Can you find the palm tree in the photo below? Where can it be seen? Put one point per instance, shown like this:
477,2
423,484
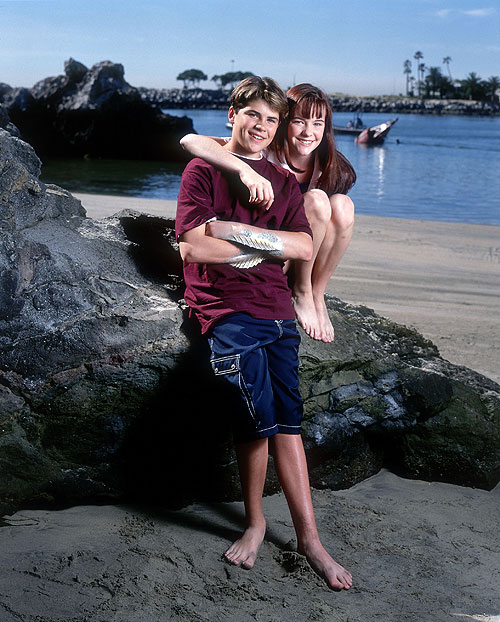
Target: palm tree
473,86
447,61
433,81
492,85
418,56
422,69
412,85
407,71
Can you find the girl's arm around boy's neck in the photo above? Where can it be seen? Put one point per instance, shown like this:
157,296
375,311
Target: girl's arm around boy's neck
211,150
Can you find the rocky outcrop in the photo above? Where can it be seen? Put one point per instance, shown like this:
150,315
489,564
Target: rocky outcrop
383,395
95,113
6,124
105,387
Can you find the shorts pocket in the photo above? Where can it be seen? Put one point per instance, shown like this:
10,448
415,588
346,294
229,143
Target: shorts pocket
230,366
226,365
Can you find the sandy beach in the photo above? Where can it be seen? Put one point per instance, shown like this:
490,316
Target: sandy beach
418,551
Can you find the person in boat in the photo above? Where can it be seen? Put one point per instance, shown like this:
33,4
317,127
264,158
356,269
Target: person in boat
359,123
304,145
233,253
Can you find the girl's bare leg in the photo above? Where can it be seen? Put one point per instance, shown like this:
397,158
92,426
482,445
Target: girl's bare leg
252,464
332,222
318,212
291,466
335,242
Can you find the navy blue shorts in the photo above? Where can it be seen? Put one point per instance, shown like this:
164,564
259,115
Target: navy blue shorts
261,359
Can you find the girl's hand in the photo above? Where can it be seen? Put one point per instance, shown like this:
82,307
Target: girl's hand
260,189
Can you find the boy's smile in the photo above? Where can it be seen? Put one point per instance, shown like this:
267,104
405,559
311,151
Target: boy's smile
254,128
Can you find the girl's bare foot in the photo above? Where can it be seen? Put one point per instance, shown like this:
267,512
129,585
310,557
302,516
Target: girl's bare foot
307,317
244,551
334,575
326,330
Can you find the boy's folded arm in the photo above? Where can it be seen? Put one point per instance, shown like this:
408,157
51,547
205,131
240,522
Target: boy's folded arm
210,149
281,244
196,246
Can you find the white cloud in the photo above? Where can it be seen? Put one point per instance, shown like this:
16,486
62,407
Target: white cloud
479,12
443,13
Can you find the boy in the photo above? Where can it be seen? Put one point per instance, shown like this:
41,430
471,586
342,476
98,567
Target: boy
233,254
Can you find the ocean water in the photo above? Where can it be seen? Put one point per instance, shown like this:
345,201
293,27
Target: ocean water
444,168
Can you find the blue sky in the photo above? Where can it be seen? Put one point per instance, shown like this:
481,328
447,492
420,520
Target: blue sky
349,46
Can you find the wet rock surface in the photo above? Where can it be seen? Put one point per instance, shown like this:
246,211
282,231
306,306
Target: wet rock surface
106,391
93,113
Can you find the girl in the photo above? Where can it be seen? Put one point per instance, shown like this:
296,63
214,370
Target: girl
305,145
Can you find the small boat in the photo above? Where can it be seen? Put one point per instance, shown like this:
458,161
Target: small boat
354,131
354,127
375,135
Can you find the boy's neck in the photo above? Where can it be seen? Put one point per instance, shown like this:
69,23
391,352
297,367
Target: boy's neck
236,149
239,155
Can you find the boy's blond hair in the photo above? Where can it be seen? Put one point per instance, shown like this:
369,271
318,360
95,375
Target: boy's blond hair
256,87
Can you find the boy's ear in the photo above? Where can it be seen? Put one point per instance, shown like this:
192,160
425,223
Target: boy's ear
231,113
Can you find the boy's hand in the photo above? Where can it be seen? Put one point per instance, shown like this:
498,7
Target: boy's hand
260,189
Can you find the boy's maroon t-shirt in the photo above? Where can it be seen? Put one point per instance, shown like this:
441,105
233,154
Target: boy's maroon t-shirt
216,290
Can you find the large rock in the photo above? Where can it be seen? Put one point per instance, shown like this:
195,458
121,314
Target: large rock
95,113
105,387
383,396
5,123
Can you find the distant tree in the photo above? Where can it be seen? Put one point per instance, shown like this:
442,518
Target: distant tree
407,72
492,84
421,72
412,86
192,76
437,85
231,78
217,79
472,87
447,61
418,56
446,88
433,81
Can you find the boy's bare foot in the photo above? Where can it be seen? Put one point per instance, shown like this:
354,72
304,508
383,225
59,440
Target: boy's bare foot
307,317
325,325
334,575
244,551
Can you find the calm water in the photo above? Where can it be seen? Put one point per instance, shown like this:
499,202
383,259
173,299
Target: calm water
430,167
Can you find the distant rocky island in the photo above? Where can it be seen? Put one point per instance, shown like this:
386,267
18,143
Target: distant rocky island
197,98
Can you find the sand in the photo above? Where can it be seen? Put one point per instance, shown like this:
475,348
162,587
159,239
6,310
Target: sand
418,551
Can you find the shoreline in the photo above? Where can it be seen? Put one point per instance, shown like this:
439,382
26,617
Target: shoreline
438,277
